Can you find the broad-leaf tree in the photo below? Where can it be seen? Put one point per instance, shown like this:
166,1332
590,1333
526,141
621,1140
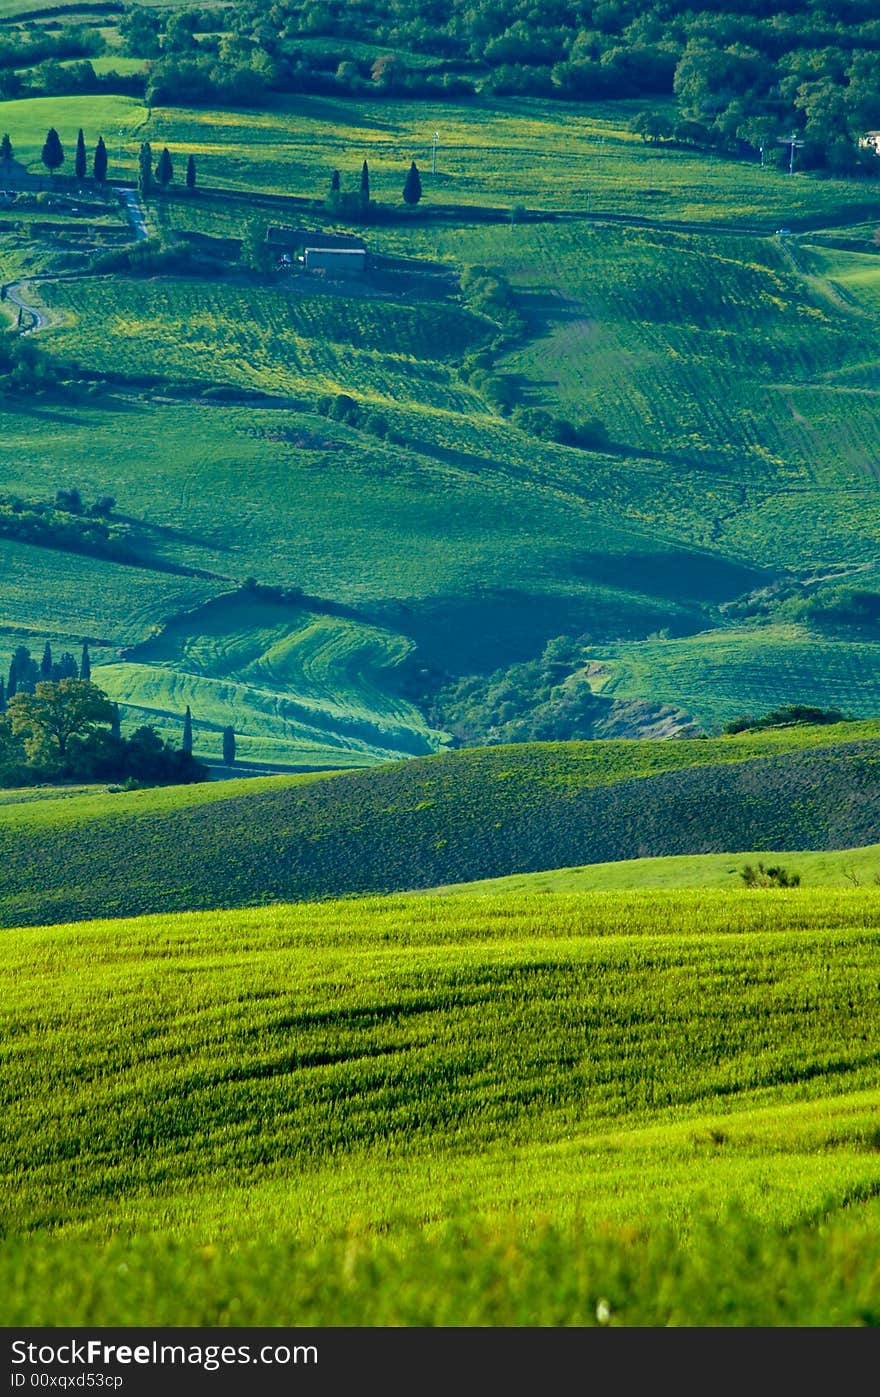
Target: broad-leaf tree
48,718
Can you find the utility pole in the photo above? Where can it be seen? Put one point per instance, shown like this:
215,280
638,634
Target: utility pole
434,153
121,134
794,144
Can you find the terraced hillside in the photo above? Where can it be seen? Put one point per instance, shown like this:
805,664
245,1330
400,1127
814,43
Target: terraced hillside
554,1110
437,820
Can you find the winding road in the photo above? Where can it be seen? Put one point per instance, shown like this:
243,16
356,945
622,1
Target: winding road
37,316
13,292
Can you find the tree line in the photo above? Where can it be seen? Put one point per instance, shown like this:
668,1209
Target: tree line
53,156
56,724
743,77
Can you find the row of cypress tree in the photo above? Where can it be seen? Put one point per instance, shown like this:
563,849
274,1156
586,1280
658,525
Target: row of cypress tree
412,188
228,739
25,673
53,158
163,172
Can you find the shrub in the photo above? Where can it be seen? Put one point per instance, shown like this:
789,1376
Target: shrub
772,877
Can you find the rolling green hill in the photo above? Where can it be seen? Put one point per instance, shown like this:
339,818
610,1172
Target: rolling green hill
734,371
437,820
838,868
456,1111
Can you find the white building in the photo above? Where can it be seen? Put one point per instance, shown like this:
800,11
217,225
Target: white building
335,261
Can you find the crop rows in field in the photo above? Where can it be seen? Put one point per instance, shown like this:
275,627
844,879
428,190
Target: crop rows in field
470,552
691,347
719,675
454,818
295,499
47,592
295,686
287,344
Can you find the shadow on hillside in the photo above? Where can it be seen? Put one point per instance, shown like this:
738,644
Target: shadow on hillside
166,531
679,575
480,631
542,310
326,110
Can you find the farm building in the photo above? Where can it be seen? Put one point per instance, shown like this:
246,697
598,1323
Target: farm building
870,141
336,261
294,240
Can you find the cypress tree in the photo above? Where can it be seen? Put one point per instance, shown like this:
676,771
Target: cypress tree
53,151
99,167
46,663
365,184
23,673
85,664
334,182
2,697
191,173
187,744
79,162
412,189
228,746
164,169
145,168
6,151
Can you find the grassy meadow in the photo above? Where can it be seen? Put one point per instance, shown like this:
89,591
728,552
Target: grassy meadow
835,868
500,152
430,821
753,670
733,369
428,1037
446,1111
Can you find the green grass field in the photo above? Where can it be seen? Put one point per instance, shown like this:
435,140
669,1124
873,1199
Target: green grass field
67,598
299,686
500,152
28,119
720,674
353,1113
735,373
838,868
547,1061
432,821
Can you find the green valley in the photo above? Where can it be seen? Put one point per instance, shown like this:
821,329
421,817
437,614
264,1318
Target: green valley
439,665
